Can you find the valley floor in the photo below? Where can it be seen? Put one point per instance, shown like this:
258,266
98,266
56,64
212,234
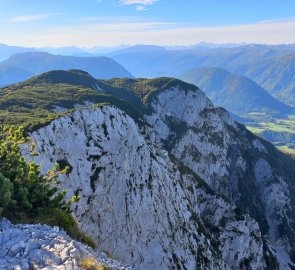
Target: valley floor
279,131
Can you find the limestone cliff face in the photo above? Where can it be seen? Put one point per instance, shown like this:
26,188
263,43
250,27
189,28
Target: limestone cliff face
164,194
147,210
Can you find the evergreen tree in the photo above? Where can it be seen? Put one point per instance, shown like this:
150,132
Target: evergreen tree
22,187
6,189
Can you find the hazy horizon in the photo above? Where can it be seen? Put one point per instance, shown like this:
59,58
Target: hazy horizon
203,44
108,23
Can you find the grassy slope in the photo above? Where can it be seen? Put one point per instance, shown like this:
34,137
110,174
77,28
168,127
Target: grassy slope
32,103
142,87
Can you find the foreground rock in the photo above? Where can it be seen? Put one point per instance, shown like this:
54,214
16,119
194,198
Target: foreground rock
24,247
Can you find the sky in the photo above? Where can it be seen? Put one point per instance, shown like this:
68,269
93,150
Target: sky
90,23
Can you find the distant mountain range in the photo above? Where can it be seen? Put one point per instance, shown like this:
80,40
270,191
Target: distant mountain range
25,65
11,74
6,51
67,51
271,67
236,93
153,61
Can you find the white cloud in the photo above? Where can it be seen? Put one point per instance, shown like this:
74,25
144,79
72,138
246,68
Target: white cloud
139,2
141,8
31,18
112,19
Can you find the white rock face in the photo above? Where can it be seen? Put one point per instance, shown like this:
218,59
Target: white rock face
25,247
137,204
231,160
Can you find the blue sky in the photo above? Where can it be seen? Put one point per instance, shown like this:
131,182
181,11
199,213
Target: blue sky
89,23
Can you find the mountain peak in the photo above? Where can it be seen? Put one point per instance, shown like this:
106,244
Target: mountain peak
72,76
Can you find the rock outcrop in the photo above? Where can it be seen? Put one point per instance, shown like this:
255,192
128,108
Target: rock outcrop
26,247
